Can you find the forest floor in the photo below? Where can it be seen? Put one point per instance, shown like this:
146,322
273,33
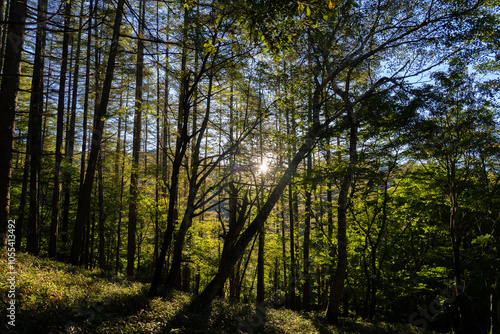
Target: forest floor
52,297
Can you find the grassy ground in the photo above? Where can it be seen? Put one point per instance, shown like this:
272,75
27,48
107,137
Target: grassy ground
51,297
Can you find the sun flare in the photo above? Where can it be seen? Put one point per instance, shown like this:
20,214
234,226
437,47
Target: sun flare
263,168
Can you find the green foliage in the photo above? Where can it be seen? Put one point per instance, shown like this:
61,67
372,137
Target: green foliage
61,298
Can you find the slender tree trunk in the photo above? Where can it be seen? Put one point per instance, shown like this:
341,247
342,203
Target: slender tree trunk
495,309
70,142
194,186
283,250
9,92
86,97
136,146
22,202
100,181
260,267
158,152
122,182
331,246
337,287
86,191
165,125
306,288
180,150
290,126
459,322
3,30
34,147
56,192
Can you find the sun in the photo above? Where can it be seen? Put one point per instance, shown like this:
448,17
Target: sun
263,168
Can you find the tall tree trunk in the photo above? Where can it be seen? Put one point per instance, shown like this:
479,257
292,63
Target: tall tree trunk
86,97
3,30
100,181
136,147
337,287
260,266
331,246
262,233
122,182
459,322
283,250
56,192
194,185
9,92
495,309
22,201
180,150
306,288
165,125
158,152
70,142
290,126
86,191
34,147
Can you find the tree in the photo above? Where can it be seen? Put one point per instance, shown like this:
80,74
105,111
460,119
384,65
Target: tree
9,92
56,194
457,138
34,148
134,178
347,43
86,190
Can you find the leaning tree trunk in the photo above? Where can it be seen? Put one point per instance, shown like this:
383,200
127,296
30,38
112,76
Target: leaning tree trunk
225,267
9,92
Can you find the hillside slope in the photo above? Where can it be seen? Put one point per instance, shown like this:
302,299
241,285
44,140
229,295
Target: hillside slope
52,297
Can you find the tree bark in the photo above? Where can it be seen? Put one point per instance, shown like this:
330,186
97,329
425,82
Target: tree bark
70,143
100,181
122,183
180,151
3,30
136,146
56,192
336,289
34,148
9,92
86,191
306,288
194,186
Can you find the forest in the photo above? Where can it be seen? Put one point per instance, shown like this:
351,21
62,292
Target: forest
329,157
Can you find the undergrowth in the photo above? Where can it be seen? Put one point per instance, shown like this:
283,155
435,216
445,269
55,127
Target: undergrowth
52,297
